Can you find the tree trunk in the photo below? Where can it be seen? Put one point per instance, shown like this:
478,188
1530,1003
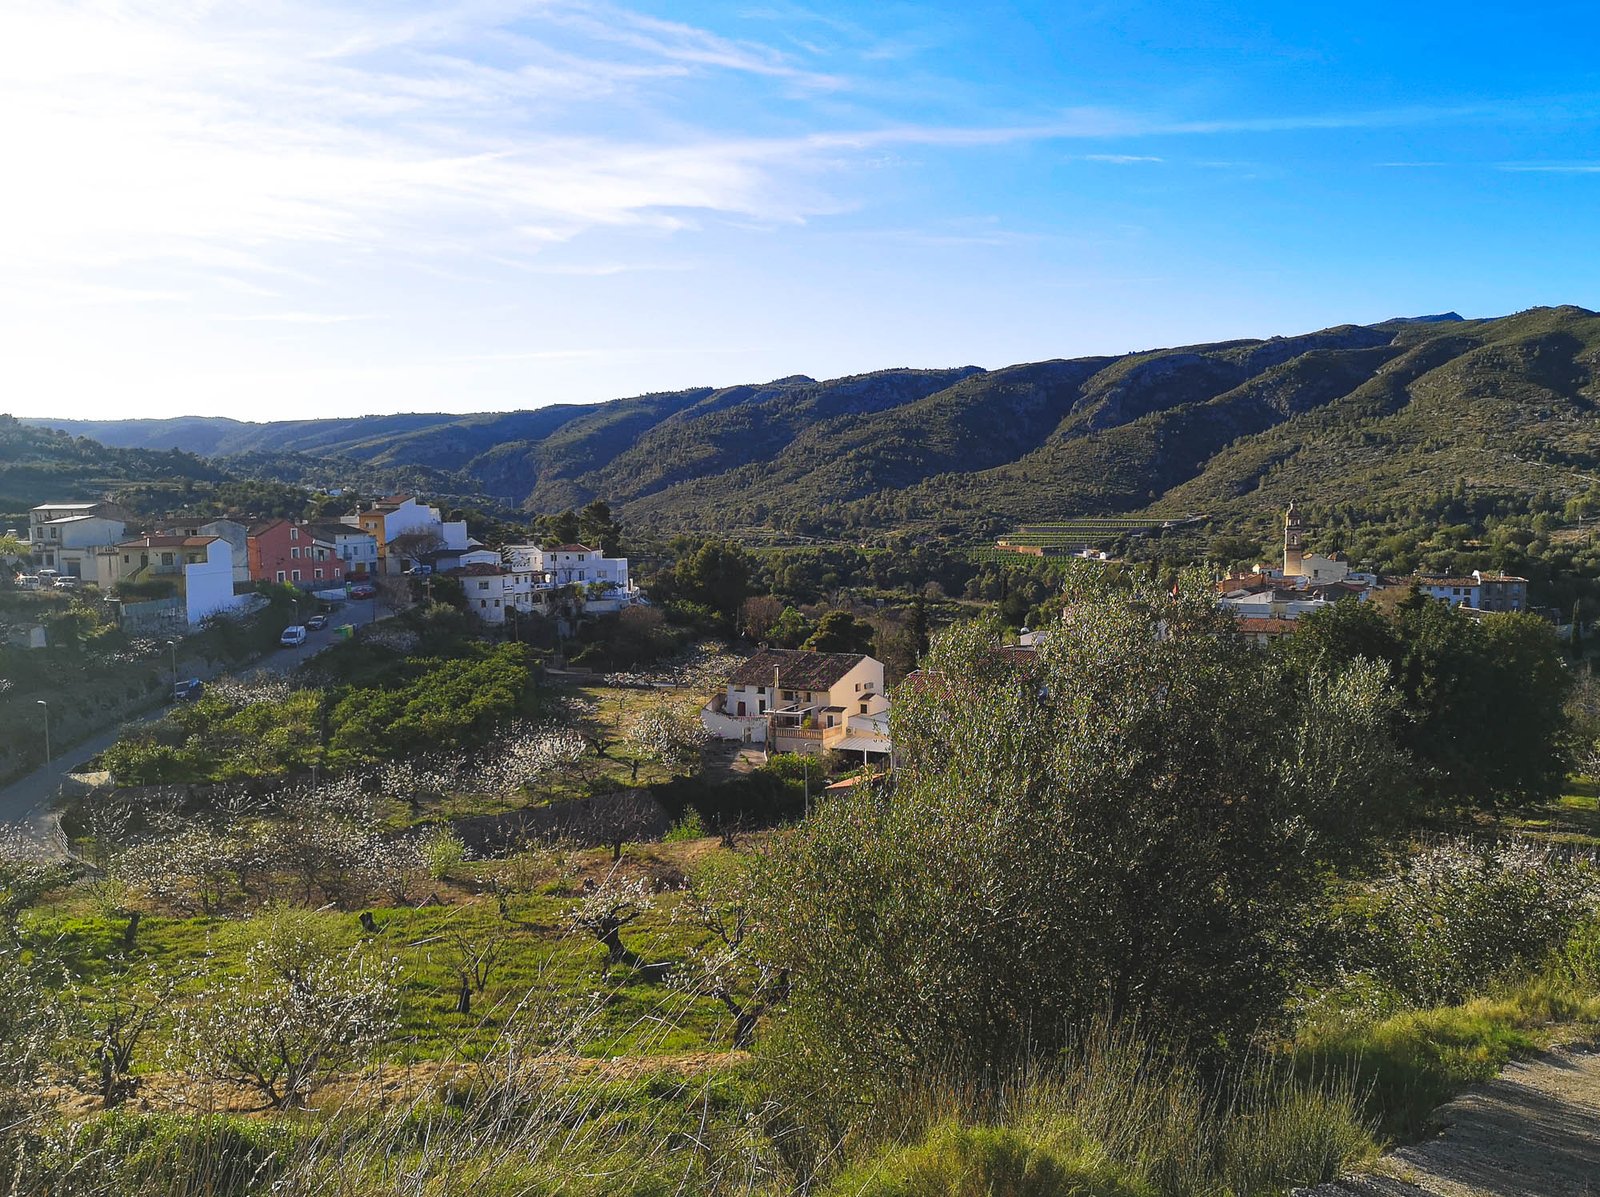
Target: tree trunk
131,930
612,938
464,998
744,1028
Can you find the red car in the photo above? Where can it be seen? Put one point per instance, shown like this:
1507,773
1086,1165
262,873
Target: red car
363,590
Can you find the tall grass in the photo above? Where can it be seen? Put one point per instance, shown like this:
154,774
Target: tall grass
1117,1115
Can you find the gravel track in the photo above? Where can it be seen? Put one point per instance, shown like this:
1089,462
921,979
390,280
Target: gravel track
1533,1131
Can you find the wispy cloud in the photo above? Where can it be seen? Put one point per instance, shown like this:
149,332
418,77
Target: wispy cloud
1552,168
209,138
296,317
1119,159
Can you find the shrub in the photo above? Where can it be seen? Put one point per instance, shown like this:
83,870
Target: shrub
687,828
987,1161
1459,915
1109,824
443,850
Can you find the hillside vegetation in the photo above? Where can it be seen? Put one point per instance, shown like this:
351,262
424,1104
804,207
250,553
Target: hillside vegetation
1403,408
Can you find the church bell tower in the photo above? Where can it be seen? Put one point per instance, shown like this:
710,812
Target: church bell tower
1294,540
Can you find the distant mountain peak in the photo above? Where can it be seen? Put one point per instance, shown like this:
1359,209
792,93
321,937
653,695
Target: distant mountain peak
1441,318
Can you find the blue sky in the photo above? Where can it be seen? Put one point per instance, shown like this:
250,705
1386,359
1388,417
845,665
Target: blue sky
283,209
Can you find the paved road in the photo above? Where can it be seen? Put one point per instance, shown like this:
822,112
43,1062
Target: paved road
1533,1131
26,802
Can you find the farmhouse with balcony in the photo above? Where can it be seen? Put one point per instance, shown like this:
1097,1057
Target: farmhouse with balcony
794,700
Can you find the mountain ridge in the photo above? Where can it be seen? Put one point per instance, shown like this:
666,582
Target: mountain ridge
1408,403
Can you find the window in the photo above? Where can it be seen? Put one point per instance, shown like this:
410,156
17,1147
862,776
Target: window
295,576
166,558
294,533
863,708
762,707
316,573
281,577
483,602
295,553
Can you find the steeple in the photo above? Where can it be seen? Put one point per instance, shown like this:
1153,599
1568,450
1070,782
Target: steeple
1293,544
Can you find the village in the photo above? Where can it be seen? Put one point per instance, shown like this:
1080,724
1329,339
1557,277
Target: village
211,568
175,576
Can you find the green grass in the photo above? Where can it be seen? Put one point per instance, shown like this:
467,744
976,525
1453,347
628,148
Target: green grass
625,1014
1410,1063
1573,819
953,1160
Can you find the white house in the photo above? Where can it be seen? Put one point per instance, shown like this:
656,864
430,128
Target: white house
794,700
64,536
571,564
201,566
403,515
1272,604
485,588
236,534
357,549
208,581
1480,591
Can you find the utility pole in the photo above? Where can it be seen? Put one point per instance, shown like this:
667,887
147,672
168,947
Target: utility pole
48,755
173,645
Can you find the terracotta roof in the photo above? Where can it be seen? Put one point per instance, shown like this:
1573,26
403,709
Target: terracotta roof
572,548
1254,625
478,569
167,542
798,669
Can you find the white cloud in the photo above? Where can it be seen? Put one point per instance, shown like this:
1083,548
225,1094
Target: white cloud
1120,159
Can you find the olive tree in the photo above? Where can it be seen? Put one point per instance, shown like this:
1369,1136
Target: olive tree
1130,821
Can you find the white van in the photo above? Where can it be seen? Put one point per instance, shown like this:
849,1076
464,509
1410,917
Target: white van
27,581
293,636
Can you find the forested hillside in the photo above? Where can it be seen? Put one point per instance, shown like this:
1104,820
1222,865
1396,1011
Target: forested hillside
39,464
1349,414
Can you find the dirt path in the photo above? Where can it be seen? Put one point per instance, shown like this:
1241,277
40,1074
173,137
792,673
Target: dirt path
1534,1131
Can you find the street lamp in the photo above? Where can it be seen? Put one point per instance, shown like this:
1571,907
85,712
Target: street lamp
48,755
173,645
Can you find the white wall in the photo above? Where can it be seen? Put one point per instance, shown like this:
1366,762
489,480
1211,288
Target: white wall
208,585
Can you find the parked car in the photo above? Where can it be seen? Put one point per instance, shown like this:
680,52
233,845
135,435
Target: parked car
363,590
66,582
188,690
317,622
27,581
293,636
